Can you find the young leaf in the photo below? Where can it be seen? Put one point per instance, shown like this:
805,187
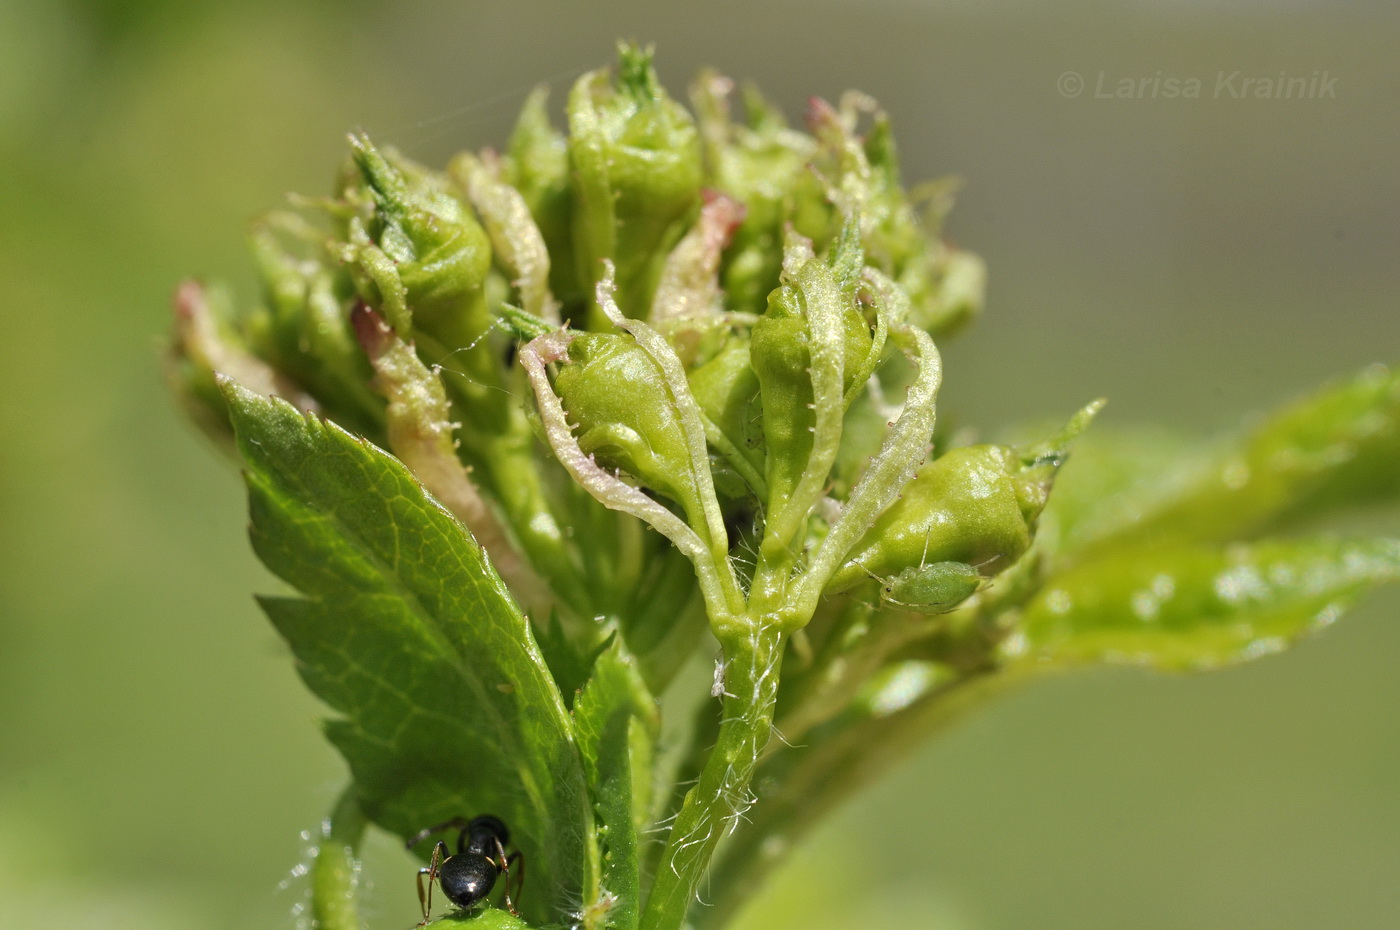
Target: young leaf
1199,606
406,630
617,723
1112,480
1337,447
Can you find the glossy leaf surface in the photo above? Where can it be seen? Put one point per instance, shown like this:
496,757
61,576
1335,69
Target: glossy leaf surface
1199,606
445,706
1335,448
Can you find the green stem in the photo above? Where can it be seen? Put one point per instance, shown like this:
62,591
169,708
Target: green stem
719,801
335,873
843,757
736,459
865,644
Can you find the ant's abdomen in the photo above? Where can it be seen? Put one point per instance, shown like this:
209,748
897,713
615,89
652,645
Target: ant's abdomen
466,879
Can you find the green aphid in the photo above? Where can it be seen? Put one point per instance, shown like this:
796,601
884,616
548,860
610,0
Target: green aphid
934,588
929,587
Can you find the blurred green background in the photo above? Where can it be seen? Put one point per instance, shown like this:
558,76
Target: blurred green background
1193,260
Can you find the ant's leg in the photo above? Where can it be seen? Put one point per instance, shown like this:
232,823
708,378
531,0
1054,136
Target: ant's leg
515,868
503,863
426,900
456,823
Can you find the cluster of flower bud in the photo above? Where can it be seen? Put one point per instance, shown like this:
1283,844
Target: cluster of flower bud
698,316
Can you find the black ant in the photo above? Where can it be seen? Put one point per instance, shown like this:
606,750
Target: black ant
469,876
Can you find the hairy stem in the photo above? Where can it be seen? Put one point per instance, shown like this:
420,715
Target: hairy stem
721,798
842,758
335,873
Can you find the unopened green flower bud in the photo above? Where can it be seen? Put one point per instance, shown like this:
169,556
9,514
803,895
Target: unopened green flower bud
782,351
758,162
537,165
858,177
624,415
975,505
965,506
957,289
635,155
304,330
424,262
727,391
438,253
206,344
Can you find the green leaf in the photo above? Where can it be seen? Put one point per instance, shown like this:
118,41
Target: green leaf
490,918
569,662
446,706
617,723
1337,447
1114,477
1199,606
